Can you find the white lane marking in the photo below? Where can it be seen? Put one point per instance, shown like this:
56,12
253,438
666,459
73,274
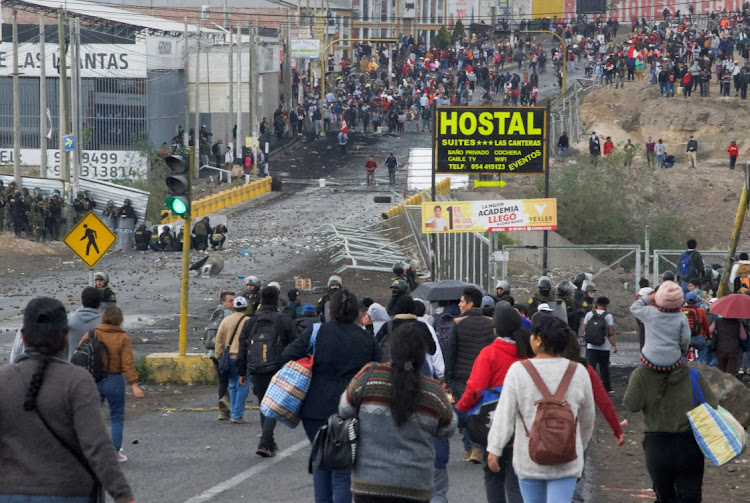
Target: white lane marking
243,476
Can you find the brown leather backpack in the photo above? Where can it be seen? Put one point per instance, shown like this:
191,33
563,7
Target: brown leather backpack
552,439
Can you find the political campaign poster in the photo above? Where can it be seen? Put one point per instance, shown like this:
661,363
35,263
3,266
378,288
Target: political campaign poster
490,140
502,215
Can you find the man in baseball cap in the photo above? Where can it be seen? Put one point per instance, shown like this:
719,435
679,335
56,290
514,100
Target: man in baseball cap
228,339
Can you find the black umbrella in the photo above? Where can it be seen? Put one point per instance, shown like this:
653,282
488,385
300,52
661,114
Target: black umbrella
448,289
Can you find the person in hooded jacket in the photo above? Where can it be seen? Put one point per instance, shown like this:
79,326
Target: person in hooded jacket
341,350
306,319
378,316
334,285
85,319
492,363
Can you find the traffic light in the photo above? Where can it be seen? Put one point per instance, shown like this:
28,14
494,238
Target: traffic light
178,184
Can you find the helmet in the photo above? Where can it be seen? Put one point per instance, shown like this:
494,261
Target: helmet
565,288
399,284
253,280
110,203
668,276
544,282
579,279
589,286
276,285
126,201
398,268
334,280
102,276
504,285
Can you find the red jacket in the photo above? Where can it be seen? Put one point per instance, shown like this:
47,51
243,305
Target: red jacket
370,166
488,371
733,150
603,403
608,145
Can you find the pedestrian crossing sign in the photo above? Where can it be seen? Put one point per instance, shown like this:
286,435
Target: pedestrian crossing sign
90,239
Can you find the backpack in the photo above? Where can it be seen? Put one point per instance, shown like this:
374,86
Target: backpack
209,336
264,349
596,329
687,269
89,356
552,438
480,416
693,320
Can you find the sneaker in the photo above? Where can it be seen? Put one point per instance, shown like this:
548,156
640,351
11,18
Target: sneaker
265,453
467,455
121,458
475,456
240,420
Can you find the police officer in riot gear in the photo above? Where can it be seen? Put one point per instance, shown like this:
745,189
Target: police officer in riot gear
108,296
542,296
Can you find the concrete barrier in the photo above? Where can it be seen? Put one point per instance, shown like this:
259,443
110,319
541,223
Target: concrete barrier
171,368
224,199
443,188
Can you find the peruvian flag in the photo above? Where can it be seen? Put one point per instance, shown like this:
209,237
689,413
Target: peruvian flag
632,52
344,127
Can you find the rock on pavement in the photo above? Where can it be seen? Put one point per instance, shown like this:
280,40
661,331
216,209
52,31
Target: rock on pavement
732,394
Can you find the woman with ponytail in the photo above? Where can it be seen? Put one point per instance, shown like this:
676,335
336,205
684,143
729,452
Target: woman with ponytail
341,349
53,442
400,413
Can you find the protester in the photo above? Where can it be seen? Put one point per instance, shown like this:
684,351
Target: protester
673,459
488,372
516,412
50,420
399,411
341,350
119,364
85,319
600,324
228,339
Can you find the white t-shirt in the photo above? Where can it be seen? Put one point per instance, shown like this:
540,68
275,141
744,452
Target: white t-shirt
610,322
440,223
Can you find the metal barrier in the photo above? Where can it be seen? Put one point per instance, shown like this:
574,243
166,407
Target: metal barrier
443,188
670,259
223,199
463,257
224,174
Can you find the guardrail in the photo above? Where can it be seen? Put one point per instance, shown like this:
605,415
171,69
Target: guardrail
443,188
223,199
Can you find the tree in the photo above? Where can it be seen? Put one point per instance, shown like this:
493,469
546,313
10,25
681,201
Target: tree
458,30
443,39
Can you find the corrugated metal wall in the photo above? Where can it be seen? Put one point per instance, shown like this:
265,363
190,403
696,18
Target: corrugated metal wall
167,98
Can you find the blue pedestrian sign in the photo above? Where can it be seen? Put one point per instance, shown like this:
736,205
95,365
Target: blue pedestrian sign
69,143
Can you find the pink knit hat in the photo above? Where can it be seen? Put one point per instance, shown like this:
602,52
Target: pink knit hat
669,295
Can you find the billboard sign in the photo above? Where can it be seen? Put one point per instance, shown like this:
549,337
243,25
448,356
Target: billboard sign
490,140
305,48
489,216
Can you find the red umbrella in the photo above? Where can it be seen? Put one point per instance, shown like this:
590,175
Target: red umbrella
735,305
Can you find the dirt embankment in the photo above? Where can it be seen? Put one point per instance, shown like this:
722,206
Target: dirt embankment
710,193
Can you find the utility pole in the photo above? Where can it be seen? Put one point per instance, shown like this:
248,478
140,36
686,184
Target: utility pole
64,100
287,70
42,101
197,119
16,107
252,98
240,142
724,287
230,110
75,113
185,134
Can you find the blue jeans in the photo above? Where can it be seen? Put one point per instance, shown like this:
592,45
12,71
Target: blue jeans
23,498
659,160
237,393
113,390
700,344
330,486
458,388
547,491
561,152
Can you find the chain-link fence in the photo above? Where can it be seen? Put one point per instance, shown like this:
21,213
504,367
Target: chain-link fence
669,260
616,269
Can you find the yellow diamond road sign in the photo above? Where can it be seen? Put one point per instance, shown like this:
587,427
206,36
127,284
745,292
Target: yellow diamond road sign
90,239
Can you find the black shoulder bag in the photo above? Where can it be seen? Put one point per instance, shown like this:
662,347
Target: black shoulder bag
335,443
97,491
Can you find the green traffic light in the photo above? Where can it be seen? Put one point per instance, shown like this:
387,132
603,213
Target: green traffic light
177,205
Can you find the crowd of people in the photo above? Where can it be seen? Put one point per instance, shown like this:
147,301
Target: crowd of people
461,357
